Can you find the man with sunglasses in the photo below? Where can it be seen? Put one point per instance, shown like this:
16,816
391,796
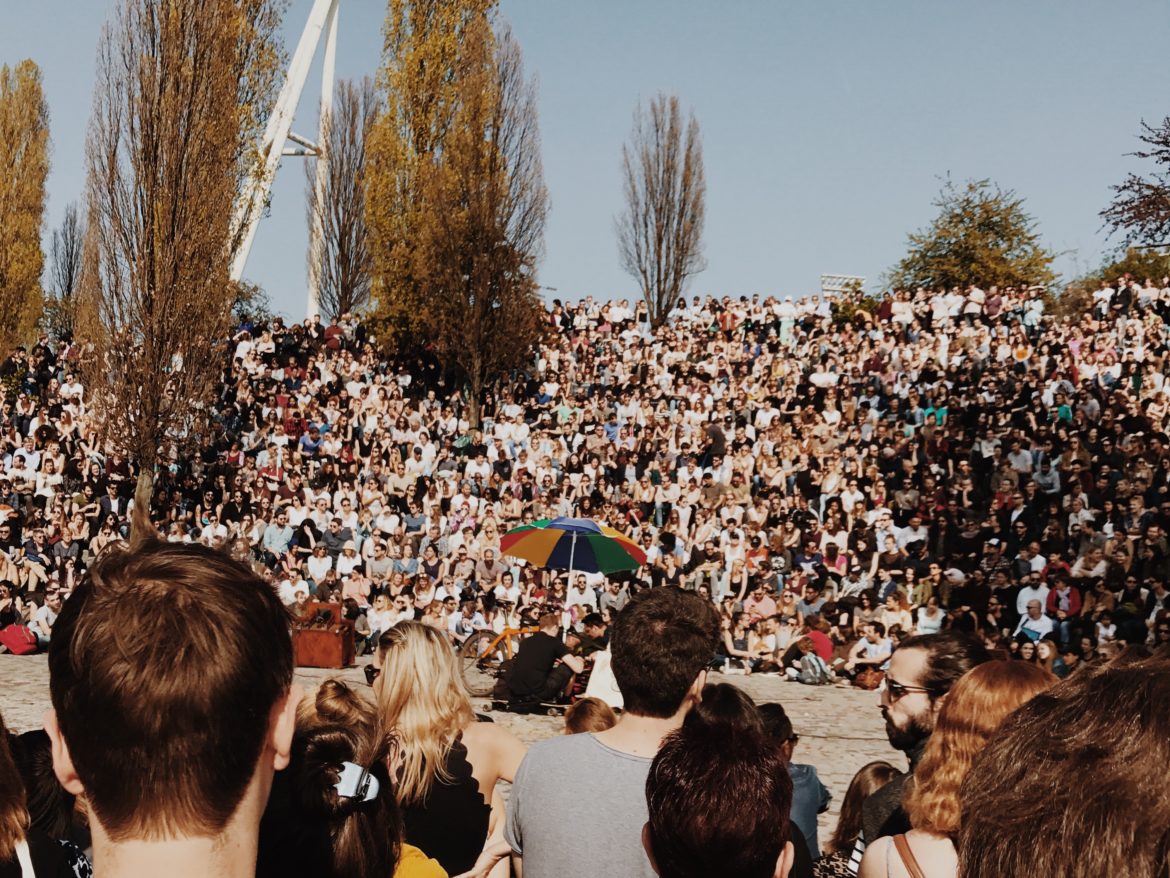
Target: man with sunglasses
921,672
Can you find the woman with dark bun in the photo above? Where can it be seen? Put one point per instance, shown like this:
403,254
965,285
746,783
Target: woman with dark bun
333,812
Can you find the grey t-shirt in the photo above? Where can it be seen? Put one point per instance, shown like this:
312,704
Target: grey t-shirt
577,808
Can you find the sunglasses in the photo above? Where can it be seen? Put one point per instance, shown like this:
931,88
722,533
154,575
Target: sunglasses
371,674
897,691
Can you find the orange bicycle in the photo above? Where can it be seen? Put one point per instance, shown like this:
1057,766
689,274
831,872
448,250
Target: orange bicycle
484,652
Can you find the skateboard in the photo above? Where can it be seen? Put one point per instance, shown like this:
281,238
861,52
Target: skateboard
528,707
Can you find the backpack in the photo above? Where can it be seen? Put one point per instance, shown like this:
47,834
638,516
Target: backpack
814,671
19,639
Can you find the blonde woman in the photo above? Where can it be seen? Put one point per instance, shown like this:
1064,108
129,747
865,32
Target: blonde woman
447,763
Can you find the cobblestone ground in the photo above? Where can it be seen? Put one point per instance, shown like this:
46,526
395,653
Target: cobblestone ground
840,729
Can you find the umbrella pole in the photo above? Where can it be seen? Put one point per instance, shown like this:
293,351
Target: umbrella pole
572,553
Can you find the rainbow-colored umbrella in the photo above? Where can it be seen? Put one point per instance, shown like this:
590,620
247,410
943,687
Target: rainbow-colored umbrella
573,544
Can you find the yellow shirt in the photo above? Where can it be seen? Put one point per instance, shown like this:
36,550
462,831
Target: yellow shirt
413,863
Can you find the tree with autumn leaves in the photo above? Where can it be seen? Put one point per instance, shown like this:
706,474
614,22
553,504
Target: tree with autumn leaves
179,98
456,201
24,167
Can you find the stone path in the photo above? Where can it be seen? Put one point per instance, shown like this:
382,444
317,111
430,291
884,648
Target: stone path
840,729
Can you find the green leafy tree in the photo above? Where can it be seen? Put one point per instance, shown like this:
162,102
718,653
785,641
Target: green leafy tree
982,235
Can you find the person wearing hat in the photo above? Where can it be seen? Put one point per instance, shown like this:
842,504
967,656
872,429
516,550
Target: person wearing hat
348,562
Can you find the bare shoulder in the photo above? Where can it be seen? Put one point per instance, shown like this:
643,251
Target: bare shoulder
935,853
488,735
874,862
493,744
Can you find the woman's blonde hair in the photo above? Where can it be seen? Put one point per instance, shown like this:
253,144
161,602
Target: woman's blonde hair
423,705
974,708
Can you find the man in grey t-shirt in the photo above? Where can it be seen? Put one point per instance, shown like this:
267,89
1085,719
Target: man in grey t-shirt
578,803
555,817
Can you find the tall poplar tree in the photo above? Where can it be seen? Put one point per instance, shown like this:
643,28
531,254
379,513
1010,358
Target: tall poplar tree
482,209
169,147
419,91
24,167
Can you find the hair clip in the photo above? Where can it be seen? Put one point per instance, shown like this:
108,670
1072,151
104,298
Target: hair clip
356,782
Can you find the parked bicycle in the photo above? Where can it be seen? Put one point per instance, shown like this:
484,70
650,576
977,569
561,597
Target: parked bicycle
483,654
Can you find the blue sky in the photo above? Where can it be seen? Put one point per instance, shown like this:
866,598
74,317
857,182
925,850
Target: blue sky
826,124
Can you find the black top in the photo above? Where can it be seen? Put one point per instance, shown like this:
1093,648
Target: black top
49,859
534,660
451,823
802,862
882,813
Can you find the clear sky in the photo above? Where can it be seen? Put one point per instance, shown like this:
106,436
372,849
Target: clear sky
826,123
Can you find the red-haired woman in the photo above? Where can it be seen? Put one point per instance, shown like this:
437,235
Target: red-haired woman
973,710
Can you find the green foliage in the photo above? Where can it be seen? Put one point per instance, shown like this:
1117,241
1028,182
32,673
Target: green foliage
1077,297
982,235
853,307
251,303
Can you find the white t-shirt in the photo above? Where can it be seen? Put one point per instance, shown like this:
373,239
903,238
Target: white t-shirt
46,615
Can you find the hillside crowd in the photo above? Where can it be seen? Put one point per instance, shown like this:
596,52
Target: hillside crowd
949,459
958,497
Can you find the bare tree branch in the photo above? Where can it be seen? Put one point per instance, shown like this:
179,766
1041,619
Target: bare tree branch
65,253
1140,210
342,258
164,153
660,234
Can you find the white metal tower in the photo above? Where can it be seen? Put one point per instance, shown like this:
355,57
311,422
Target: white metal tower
322,19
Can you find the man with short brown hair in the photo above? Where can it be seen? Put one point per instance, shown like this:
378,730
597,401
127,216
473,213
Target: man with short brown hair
578,802
173,705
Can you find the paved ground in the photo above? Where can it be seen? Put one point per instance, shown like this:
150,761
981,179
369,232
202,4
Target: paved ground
840,729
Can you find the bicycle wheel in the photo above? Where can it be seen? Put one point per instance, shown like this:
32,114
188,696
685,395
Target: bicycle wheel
478,668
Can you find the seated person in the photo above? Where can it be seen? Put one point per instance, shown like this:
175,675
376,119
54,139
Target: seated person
593,637
543,665
872,652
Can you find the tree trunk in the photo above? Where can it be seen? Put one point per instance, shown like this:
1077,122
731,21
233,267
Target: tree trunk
140,527
474,415
475,386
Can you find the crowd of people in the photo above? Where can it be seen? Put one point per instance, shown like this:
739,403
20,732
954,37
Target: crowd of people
835,478
178,742
835,475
